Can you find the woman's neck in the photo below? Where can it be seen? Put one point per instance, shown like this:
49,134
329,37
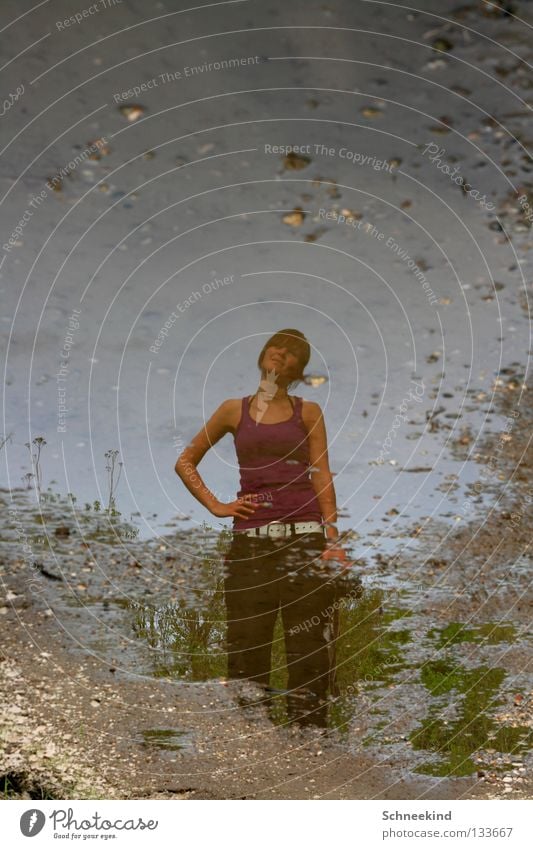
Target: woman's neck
280,395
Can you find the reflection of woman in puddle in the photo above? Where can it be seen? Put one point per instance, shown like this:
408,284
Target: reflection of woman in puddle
283,530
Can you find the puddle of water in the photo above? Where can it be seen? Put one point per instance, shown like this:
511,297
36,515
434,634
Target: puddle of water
164,738
432,710
186,642
489,633
56,512
455,742
370,652
374,654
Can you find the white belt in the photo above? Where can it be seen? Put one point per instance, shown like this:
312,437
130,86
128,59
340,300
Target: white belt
284,529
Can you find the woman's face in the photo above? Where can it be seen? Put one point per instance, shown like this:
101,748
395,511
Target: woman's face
282,358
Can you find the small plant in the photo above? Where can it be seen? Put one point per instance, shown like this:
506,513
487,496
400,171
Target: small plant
39,443
27,479
96,506
4,440
111,469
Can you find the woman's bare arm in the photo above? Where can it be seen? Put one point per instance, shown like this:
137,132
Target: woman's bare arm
320,473
218,425
188,460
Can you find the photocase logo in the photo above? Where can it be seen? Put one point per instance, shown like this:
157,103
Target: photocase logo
32,822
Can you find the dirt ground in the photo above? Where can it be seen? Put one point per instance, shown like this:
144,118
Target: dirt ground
71,731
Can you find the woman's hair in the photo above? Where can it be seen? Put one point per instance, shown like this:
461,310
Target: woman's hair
296,343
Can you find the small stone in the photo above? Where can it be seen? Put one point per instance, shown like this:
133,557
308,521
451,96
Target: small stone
315,379
442,44
312,237
352,213
132,111
295,162
371,112
294,218
102,149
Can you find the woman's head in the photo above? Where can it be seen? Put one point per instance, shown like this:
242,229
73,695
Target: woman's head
287,352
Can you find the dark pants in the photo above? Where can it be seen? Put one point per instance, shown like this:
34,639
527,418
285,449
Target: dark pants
264,576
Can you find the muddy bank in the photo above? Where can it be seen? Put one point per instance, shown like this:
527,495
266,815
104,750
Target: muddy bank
75,727
106,743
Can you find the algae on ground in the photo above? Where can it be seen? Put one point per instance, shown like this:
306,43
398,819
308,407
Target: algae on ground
474,729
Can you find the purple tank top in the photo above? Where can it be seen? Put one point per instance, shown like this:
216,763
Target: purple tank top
274,462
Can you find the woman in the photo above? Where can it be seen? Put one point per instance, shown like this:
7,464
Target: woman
284,527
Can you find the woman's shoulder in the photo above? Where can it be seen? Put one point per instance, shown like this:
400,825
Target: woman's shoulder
312,406
311,411
230,411
231,404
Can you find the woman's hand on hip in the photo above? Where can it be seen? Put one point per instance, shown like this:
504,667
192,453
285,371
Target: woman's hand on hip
335,551
242,508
